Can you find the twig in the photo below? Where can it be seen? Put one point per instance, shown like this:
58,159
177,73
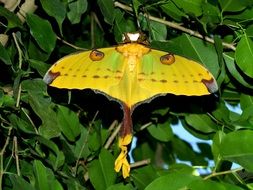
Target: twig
19,51
31,121
16,154
176,26
112,126
145,126
214,174
92,35
108,142
140,163
19,66
69,44
84,144
2,156
112,137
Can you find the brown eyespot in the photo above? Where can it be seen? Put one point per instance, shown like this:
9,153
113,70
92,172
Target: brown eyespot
167,59
96,55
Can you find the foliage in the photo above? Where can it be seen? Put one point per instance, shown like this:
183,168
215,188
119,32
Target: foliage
51,139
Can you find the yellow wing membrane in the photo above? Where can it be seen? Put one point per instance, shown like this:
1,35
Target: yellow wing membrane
97,70
176,75
131,73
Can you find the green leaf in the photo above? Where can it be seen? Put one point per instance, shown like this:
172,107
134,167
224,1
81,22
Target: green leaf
18,182
197,49
184,151
55,9
210,15
246,101
173,181
217,139
143,176
158,31
120,186
249,31
68,123
36,53
26,168
210,185
81,149
161,131
143,151
6,100
57,158
230,64
244,55
136,6
233,5
42,32
219,50
237,147
40,172
222,113
35,87
107,9
201,122
246,14
192,7
97,138
171,9
41,107
13,20
122,25
4,55
104,168
44,177
40,66
181,168
21,124
76,10
73,184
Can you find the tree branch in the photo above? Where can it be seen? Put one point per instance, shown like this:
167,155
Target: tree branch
176,26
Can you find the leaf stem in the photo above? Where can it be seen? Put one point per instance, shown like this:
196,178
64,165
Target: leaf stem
2,156
214,174
176,26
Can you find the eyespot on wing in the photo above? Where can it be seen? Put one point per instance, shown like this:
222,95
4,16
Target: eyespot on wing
167,59
96,55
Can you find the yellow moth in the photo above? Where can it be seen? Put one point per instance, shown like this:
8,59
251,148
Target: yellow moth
131,73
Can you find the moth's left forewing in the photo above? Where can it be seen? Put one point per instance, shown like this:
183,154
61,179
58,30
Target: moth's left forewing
95,69
162,73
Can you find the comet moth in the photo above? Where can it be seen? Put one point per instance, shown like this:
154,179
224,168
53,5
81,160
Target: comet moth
130,73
